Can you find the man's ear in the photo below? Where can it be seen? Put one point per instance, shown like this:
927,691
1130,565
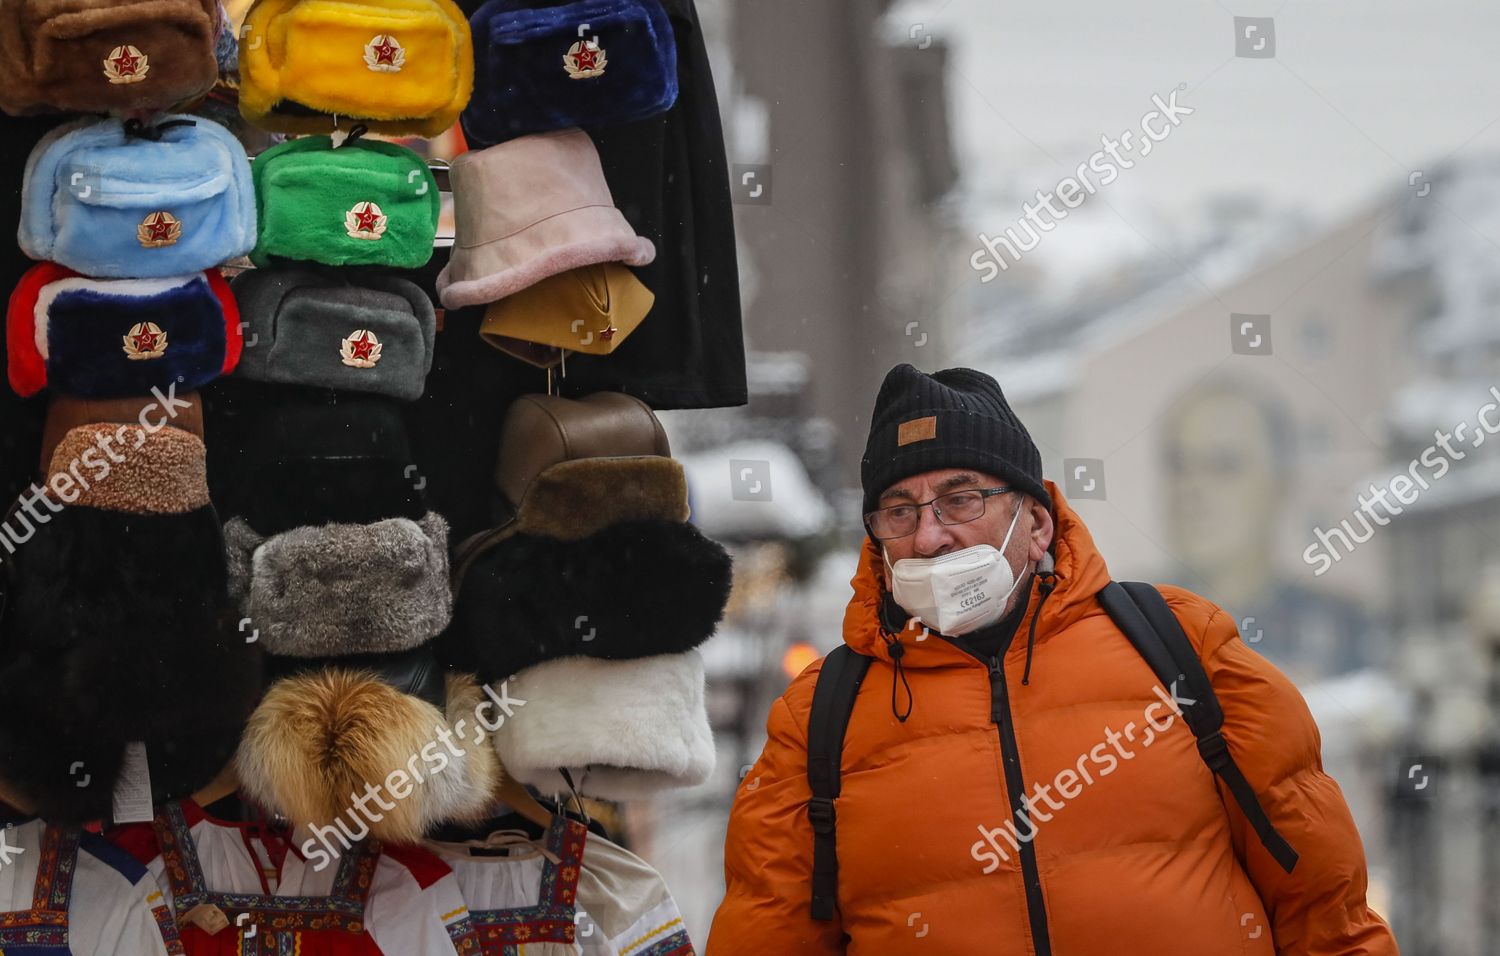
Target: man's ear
1042,529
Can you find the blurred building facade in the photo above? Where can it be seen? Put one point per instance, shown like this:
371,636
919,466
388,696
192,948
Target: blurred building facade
1211,463
853,248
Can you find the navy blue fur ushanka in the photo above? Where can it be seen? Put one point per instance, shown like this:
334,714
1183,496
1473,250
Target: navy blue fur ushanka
534,73
118,338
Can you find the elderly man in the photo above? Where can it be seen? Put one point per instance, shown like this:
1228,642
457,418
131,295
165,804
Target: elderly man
1012,755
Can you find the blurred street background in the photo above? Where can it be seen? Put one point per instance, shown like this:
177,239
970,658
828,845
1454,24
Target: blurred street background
1279,304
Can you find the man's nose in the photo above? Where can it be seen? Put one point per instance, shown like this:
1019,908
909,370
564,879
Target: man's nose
932,536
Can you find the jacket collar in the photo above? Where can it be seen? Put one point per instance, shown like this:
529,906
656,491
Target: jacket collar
1080,571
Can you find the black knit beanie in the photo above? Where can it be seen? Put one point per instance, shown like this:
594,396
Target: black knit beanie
956,418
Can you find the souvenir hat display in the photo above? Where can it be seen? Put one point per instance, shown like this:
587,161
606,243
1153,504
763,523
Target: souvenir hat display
400,67
118,597
619,63
202,689
528,209
598,591
98,56
120,199
114,338
348,587
590,309
330,588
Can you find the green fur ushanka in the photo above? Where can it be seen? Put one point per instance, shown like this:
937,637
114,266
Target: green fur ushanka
366,203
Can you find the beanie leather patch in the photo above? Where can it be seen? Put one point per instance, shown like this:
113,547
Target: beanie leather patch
918,429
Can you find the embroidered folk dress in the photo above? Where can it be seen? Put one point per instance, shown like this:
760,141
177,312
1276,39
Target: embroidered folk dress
64,892
240,890
598,899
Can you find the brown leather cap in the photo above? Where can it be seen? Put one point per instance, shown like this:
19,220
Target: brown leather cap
66,412
544,430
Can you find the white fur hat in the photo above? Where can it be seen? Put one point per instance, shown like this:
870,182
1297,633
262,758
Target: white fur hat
623,729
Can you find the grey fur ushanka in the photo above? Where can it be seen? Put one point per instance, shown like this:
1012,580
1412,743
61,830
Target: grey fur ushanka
333,589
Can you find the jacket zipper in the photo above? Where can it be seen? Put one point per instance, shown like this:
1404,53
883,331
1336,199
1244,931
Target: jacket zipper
1036,906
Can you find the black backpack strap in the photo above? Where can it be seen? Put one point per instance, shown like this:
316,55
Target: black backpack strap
833,701
1140,611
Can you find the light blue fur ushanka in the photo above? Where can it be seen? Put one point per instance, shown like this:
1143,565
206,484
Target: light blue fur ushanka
117,199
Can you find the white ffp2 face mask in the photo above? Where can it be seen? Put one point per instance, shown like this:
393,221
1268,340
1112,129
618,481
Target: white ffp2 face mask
958,592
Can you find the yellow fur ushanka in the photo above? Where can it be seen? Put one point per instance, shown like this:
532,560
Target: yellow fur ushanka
304,61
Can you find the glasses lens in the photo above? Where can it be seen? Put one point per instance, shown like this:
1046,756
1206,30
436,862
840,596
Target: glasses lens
895,522
961,506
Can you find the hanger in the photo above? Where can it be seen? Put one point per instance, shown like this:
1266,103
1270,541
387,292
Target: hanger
224,785
519,799
10,801
562,373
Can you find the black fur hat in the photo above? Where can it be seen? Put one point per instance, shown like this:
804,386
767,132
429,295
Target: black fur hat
598,561
634,589
116,629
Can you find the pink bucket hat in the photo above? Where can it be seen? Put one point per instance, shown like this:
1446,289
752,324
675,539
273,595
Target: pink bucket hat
529,209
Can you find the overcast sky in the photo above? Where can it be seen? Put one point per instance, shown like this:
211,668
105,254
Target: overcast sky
1358,97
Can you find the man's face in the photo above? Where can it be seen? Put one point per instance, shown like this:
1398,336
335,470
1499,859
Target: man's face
933,538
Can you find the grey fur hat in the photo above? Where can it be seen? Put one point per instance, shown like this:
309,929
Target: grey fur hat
305,327
337,589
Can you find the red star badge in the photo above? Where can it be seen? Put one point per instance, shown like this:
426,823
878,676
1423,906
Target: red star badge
160,226
145,341
367,219
587,57
125,64
362,347
386,51
608,333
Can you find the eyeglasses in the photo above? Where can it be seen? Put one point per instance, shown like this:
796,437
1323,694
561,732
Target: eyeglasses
956,507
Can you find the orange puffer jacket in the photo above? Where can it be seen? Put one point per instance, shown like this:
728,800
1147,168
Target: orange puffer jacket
1136,849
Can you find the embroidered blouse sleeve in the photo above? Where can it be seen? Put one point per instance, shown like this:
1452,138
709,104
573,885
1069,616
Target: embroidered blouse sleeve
415,907
624,905
124,912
